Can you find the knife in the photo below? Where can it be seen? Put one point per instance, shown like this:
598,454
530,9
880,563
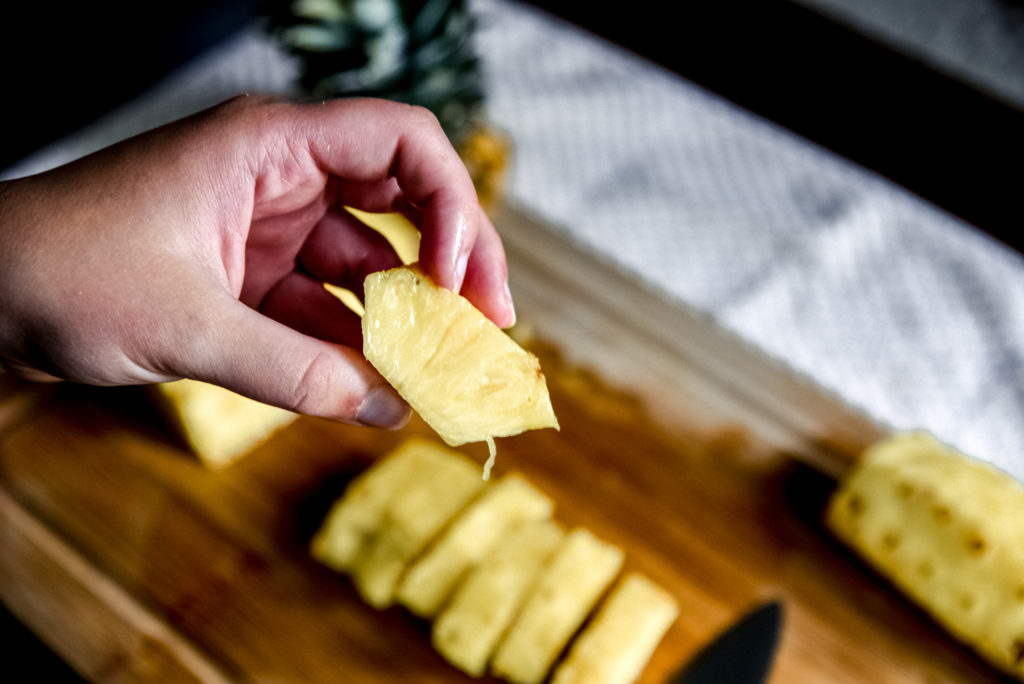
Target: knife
742,654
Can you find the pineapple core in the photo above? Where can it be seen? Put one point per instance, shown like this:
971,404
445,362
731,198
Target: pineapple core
461,373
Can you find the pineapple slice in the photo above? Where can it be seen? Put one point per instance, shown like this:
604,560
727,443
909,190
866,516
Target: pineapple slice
438,485
403,236
396,229
487,600
470,538
566,591
615,647
219,425
465,377
355,518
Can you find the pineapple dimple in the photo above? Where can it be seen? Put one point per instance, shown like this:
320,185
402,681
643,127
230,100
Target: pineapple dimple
466,378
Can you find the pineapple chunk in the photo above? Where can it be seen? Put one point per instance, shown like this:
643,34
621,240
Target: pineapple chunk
504,583
439,485
477,530
464,376
615,647
562,598
356,517
484,604
403,235
219,425
946,529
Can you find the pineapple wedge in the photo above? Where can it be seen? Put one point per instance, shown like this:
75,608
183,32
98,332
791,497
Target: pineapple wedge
219,425
439,484
355,518
396,229
566,591
510,501
464,376
485,603
616,645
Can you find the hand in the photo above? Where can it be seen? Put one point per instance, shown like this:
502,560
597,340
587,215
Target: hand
199,250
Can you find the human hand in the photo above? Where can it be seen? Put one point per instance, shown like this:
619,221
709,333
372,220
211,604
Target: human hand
199,250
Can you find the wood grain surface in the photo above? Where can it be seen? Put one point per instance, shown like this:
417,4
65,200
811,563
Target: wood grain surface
136,563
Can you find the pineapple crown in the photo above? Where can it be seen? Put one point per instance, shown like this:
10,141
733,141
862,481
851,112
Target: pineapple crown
413,51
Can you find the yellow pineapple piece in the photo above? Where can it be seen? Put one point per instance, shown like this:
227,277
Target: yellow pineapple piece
438,485
563,596
482,526
615,647
946,529
356,517
485,603
219,425
397,229
464,376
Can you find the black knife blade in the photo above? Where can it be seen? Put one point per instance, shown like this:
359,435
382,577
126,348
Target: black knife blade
742,654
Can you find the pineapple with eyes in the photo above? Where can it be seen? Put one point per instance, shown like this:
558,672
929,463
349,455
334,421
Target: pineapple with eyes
460,372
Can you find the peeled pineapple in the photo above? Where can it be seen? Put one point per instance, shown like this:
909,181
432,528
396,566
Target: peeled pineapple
396,229
464,376
507,587
219,425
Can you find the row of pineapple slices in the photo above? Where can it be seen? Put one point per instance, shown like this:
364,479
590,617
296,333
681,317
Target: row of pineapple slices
506,586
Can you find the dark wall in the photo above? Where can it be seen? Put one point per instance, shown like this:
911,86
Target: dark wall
65,63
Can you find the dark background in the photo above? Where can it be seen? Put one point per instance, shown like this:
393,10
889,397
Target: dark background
932,133
65,63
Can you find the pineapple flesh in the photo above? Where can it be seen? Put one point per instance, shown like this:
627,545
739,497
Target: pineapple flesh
946,529
461,373
219,425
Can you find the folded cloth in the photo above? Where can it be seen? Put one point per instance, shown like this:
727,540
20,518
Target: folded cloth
902,310
906,312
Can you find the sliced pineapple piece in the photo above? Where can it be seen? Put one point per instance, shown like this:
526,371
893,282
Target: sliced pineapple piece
355,518
396,229
441,482
562,598
219,425
504,583
502,506
949,531
615,647
464,376
468,629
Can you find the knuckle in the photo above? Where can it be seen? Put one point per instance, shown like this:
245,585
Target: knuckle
422,118
316,392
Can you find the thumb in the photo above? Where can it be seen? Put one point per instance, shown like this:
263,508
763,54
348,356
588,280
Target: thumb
253,355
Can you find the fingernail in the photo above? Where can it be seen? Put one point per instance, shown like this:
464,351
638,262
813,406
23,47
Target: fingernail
511,306
382,408
461,264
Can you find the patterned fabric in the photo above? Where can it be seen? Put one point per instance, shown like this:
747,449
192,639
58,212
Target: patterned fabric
904,311
907,313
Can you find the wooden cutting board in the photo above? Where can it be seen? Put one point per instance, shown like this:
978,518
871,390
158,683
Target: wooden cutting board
706,462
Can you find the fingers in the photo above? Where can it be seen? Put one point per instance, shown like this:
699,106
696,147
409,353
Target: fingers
486,282
342,250
302,303
248,353
367,142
